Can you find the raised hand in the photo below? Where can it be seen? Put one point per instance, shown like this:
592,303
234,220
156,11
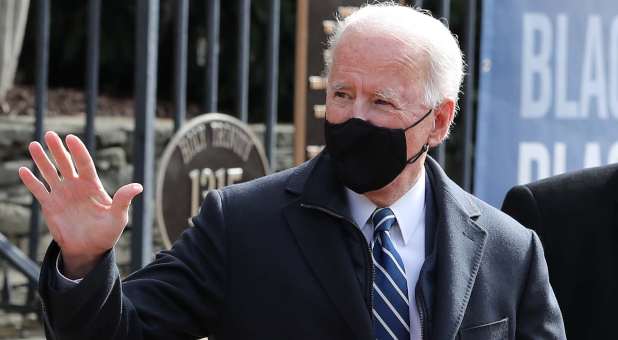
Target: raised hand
82,218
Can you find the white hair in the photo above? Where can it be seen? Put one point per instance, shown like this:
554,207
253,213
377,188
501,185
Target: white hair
429,38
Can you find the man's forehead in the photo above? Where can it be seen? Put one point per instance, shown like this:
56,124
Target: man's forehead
387,80
356,54
379,37
379,50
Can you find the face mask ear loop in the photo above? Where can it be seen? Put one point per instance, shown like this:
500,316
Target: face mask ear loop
426,146
419,121
419,153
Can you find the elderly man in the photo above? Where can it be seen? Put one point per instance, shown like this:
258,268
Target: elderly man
369,240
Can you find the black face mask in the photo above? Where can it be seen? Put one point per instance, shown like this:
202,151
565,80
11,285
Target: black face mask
368,157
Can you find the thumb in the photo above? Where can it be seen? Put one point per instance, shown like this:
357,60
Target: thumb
124,196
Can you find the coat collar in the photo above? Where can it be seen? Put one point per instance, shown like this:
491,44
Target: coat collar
460,242
318,185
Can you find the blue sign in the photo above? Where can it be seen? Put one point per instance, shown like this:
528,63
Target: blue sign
548,96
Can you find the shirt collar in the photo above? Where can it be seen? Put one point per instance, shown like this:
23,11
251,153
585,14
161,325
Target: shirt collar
409,209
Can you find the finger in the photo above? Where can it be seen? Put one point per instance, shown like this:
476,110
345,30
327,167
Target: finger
123,197
60,154
83,161
44,164
36,187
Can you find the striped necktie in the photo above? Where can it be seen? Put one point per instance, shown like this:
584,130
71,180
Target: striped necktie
391,313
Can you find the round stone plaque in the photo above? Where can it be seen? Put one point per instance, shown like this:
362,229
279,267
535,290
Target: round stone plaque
209,152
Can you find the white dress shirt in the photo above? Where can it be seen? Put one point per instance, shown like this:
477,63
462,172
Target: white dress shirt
408,236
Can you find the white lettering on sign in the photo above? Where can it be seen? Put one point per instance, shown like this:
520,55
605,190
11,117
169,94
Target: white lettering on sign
192,143
205,180
613,154
613,69
532,156
535,64
593,70
536,161
226,135
592,155
565,108
547,79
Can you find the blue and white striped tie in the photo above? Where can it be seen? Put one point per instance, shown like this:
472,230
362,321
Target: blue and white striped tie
391,313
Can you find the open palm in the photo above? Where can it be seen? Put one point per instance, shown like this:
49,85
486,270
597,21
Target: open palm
82,218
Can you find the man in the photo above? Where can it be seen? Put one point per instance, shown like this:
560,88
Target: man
576,216
369,240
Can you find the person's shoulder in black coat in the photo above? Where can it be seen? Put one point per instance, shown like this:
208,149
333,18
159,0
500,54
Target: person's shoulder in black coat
576,217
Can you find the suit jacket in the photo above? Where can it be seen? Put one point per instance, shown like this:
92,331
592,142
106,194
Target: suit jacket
280,258
576,217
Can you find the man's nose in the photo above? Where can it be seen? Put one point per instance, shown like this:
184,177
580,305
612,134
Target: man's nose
360,109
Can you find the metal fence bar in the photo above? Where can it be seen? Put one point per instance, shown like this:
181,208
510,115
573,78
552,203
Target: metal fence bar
244,21
445,9
212,56
272,85
468,99
180,62
92,71
147,35
16,258
42,59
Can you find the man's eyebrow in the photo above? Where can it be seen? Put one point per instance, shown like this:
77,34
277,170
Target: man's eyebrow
340,86
387,94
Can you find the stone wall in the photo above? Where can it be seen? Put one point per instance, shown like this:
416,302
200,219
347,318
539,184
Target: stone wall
114,156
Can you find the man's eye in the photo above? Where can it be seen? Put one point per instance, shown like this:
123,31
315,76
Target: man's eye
339,94
382,102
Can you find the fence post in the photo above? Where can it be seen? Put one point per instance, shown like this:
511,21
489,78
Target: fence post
42,60
180,62
212,56
147,35
244,22
92,72
272,74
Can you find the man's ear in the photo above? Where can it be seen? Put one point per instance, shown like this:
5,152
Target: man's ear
443,117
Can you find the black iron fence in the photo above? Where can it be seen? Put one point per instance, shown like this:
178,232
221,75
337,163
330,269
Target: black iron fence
147,26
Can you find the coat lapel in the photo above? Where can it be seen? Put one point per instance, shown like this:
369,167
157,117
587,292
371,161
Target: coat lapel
320,237
460,245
